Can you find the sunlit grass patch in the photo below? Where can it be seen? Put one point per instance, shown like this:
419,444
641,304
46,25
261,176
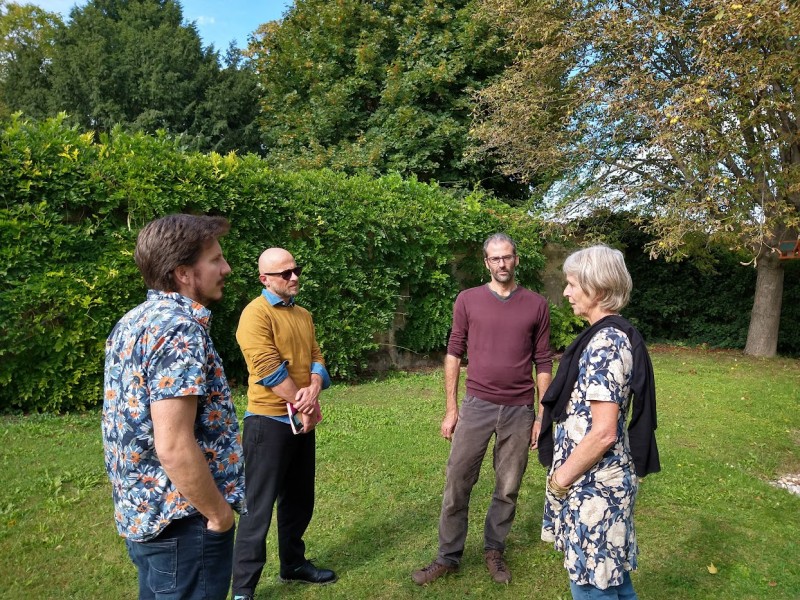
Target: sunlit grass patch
728,425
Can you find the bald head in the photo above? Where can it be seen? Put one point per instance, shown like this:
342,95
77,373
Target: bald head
271,264
271,259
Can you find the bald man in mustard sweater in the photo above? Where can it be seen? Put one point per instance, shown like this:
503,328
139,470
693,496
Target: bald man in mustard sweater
285,365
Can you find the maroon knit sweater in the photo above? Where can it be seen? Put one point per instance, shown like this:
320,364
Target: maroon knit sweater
502,338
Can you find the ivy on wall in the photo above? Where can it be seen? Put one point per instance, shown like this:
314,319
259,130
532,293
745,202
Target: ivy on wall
70,208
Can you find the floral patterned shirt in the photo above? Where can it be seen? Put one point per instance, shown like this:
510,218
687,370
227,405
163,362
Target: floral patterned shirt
162,349
593,525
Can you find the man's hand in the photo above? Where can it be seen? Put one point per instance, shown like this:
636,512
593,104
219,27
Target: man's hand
222,524
310,421
184,462
449,425
537,427
305,400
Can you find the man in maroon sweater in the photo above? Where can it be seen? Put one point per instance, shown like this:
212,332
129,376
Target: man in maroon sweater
505,330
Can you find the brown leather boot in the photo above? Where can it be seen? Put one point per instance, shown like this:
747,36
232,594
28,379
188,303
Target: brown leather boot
431,573
497,566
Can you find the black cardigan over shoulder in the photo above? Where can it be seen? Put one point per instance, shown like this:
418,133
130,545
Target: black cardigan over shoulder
642,426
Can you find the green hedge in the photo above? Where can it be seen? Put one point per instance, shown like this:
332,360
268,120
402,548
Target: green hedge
71,207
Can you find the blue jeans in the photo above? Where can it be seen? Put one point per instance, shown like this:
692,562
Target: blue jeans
186,561
478,421
623,591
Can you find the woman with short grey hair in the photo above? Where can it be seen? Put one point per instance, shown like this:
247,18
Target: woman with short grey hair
595,458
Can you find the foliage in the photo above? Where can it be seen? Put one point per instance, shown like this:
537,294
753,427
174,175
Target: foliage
678,301
134,63
685,110
704,301
378,87
130,62
71,208
26,46
226,117
565,325
725,431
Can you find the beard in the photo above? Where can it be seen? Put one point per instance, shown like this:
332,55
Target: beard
503,276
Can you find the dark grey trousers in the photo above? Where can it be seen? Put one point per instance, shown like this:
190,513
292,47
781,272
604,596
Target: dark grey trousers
478,421
279,469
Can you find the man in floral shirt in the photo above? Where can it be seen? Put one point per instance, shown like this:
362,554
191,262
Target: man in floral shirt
170,434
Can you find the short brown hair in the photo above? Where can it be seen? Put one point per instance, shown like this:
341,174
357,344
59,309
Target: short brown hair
172,241
498,238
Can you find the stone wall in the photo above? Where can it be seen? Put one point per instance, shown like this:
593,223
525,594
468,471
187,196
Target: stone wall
389,356
552,276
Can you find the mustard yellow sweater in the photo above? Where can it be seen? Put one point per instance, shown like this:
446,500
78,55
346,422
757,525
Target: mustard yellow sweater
269,336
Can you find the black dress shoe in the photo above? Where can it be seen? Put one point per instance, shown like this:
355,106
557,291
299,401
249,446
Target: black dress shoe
308,573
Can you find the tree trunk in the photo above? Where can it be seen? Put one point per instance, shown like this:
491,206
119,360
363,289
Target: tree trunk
762,336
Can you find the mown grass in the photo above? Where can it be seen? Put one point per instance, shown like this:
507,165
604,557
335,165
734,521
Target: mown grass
727,425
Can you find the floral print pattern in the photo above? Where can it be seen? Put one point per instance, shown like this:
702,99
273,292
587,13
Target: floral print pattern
593,525
162,349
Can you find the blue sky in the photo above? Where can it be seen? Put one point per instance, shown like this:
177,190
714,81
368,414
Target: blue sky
218,21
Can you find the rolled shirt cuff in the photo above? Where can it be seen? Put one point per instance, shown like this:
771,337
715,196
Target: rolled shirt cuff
277,377
283,372
319,369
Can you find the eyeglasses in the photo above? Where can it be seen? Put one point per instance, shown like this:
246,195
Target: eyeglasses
287,274
496,260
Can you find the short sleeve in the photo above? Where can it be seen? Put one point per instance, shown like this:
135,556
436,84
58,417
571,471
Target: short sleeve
609,365
176,361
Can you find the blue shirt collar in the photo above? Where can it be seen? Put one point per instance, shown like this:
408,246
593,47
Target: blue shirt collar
275,300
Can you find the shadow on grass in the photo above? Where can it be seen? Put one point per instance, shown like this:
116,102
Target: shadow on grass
370,554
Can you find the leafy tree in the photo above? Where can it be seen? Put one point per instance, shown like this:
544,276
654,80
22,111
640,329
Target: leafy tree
132,63
378,87
26,48
685,109
135,63
226,118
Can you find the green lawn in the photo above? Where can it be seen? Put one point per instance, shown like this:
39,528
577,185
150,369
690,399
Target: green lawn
728,424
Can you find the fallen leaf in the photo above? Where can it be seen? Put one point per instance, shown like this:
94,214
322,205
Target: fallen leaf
712,569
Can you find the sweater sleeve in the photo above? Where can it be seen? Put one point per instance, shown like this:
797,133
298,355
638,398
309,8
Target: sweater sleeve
257,342
542,354
643,424
457,344
316,353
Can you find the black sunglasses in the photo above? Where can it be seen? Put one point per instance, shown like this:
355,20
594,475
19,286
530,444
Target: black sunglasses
287,274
